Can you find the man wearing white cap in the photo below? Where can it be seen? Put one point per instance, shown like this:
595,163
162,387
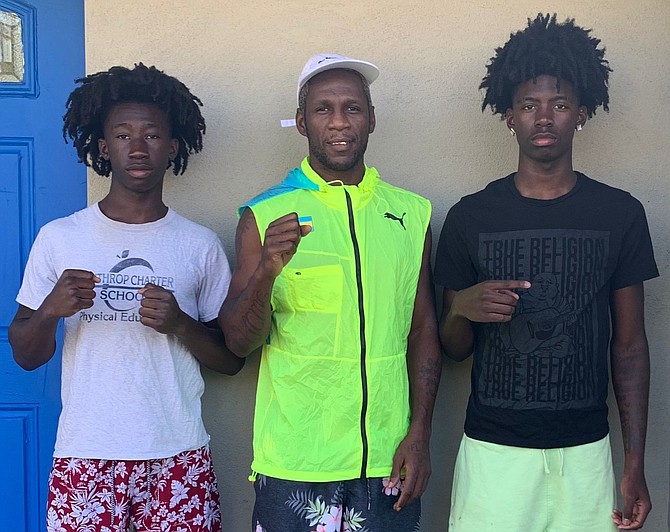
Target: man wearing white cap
333,283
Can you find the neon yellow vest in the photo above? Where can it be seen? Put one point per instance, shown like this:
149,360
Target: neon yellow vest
333,395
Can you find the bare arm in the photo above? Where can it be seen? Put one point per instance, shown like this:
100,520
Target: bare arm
245,315
629,353
32,334
424,361
160,311
486,302
456,334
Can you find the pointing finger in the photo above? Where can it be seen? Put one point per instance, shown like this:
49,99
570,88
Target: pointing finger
508,285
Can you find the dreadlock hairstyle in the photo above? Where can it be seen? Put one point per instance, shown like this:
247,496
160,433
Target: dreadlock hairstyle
564,51
89,104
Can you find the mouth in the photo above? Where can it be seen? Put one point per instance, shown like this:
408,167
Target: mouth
138,170
543,139
340,143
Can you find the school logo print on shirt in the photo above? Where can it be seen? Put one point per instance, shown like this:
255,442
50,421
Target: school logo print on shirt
545,357
119,289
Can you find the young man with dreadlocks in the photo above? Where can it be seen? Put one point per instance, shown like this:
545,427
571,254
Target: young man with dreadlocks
139,288
533,266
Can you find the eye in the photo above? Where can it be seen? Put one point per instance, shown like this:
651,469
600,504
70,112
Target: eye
354,109
560,106
527,107
152,136
122,136
322,109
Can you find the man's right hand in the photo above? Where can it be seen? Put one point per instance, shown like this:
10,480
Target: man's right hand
282,238
246,315
488,302
74,291
32,333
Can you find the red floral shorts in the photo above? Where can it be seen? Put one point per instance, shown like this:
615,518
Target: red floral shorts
176,494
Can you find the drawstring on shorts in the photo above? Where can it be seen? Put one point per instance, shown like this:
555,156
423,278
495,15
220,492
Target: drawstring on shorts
561,453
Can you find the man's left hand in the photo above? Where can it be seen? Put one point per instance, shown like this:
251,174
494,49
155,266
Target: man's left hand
159,310
636,503
413,457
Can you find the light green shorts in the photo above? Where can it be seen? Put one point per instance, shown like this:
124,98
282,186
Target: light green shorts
513,489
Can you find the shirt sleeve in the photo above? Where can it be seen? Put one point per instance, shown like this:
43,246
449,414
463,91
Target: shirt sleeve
39,276
214,283
453,265
636,261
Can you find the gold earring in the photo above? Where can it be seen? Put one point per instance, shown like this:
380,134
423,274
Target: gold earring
512,132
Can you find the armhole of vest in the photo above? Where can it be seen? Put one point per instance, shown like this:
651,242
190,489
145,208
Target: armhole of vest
261,231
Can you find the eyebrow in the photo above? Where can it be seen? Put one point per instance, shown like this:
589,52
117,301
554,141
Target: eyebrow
346,101
559,96
127,124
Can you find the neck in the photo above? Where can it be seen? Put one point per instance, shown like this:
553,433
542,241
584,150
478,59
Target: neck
545,181
353,176
133,209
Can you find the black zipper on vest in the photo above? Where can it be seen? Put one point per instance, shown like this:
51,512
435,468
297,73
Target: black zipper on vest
361,313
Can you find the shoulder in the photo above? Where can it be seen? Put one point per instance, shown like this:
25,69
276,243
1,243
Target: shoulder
296,181
606,192
615,202
69,224
276,193
495,191
384,187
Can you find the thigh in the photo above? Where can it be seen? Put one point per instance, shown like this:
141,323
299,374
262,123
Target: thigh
290,506
368,505
584,494
180,491
498,488
82,496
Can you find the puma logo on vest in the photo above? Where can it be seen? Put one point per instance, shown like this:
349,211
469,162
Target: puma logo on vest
400,220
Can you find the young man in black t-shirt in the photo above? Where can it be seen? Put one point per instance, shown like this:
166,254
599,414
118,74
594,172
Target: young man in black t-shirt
533,266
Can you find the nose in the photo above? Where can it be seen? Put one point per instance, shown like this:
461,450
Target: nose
544,116
339,120
138,148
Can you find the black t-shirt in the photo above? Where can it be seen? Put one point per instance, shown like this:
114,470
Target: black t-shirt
541,380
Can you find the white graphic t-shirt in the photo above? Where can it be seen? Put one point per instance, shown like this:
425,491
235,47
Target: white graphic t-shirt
128,392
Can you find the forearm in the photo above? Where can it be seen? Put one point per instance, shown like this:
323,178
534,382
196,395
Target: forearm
630,379
424,369
246,319
33,339
456,336
208,346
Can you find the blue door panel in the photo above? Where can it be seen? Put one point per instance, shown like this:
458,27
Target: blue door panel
16,217
40,179
18,425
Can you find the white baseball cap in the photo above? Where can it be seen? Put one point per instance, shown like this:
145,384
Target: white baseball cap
322,62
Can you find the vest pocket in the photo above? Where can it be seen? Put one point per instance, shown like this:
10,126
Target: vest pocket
314,289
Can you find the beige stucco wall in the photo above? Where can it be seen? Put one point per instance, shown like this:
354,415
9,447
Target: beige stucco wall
243,59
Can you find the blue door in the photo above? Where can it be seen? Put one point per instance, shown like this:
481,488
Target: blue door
41,53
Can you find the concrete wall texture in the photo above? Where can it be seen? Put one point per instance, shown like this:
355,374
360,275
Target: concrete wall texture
243,59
